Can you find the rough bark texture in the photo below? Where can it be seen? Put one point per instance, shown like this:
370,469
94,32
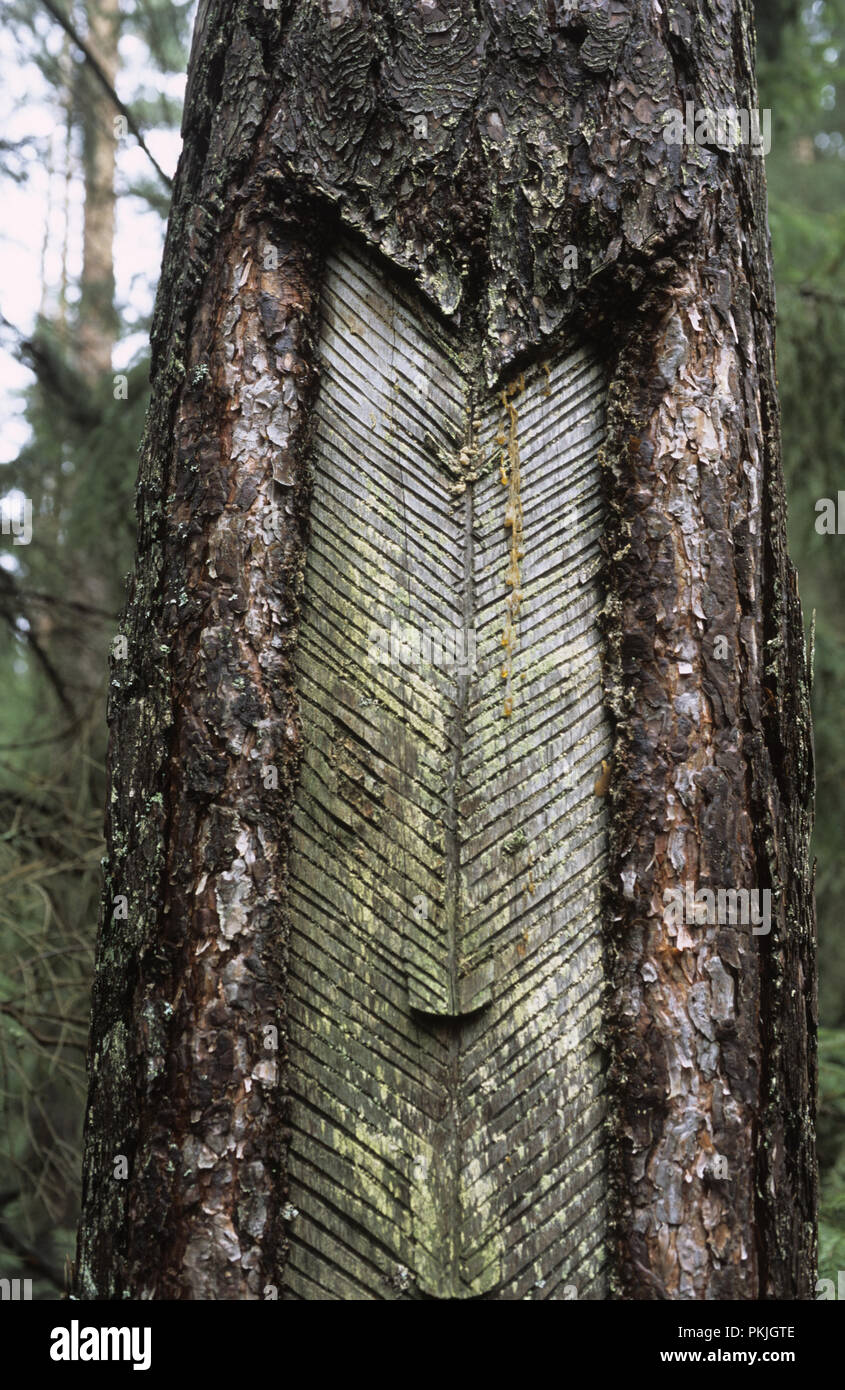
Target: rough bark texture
471,145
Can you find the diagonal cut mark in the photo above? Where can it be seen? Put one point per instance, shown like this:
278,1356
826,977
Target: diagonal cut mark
446,952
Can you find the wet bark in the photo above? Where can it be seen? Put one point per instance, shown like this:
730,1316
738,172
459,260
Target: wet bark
471,146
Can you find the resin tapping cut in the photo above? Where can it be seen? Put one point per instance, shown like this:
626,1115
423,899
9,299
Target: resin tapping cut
445,956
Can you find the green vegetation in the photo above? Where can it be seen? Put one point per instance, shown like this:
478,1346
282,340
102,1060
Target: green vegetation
802,77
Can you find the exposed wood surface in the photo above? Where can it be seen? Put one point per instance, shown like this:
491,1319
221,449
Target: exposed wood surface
445,953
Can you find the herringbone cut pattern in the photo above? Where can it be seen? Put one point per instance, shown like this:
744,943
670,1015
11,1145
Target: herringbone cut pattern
446,958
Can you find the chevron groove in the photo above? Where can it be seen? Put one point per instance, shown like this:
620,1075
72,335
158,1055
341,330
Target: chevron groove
446,966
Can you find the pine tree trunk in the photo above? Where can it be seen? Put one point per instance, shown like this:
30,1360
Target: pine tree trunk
332,1075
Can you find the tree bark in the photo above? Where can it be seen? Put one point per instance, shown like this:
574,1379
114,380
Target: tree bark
471,147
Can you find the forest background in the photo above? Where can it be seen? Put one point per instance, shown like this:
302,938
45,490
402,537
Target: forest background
87,150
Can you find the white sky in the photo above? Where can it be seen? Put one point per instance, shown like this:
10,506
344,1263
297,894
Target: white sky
29,209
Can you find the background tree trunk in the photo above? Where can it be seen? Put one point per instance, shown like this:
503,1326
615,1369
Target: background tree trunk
97,318
473,147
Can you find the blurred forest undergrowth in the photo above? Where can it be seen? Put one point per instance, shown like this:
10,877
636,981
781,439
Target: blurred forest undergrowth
60,595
